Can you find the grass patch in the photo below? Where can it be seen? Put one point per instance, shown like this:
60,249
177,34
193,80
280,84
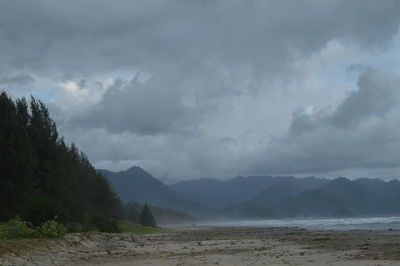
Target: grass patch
136,228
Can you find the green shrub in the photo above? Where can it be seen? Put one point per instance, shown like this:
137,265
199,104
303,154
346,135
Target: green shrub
52,228
17,228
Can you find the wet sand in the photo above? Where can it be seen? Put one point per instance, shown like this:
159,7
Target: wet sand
223,246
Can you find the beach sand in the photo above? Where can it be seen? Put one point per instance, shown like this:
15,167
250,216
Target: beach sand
220,246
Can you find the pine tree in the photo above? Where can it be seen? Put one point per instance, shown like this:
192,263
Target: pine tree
41,177
131,212
146,217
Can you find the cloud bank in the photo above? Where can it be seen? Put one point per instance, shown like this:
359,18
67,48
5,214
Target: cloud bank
192,89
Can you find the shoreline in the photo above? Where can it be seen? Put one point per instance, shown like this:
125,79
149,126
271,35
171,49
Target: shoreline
312,223
216,246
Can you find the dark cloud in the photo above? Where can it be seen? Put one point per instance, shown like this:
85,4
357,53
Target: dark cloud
376,97
142,108
360,133
17,79
197,88
79,37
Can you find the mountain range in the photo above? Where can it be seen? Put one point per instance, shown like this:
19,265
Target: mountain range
137,185
222,194
261,196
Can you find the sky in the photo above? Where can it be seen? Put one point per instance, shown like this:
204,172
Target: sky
214,88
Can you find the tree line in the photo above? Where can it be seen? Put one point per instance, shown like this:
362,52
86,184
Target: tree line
43,178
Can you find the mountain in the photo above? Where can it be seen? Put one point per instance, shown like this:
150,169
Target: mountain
359,198
208,191
337,198
374,184
264,199
222,194
262,196
384,189
310,203
137,185
389,191
271,195
392,190
276,193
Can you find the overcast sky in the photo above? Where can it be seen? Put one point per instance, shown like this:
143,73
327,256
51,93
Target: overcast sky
207,88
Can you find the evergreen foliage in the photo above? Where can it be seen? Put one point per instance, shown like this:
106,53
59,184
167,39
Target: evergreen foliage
146,217
42,178
131,212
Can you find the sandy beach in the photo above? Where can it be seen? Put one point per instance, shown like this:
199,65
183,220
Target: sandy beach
217,246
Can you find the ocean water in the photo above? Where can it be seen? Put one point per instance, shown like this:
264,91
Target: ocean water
364,223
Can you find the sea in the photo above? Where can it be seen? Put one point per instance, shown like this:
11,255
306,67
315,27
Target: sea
360,223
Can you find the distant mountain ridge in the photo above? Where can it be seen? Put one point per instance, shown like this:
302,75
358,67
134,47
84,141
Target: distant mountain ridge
261,196
339,197
221,194
135,184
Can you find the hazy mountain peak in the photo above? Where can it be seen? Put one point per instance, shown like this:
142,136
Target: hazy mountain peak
136,184
342,184
394,182
342,179
278,192
136,170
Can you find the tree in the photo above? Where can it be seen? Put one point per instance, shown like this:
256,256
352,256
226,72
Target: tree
146,217
131,212
43,178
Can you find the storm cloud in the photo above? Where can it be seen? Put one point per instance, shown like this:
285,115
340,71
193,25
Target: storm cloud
359,133
192,89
